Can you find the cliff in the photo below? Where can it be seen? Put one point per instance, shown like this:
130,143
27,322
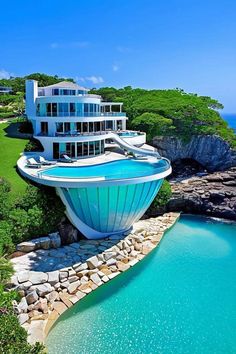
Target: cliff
211,194
211,151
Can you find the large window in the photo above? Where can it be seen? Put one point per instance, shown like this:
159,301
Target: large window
79,149
63,109
56,150
85,127
91,148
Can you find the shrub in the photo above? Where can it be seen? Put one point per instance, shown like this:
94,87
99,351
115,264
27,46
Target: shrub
163,196
19,222
6,270
26,127
13,337
5,203
37,212
5,115
6,244
33,145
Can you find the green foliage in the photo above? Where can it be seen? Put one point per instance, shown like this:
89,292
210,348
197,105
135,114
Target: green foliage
26,126
37,212
18,83
4,198
5,115
153,124
163,196
33,145
187,114
13,337
6,244
6,270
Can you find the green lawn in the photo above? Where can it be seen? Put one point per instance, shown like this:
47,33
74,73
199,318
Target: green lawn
11,145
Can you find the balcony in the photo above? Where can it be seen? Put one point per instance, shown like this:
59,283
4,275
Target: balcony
79,114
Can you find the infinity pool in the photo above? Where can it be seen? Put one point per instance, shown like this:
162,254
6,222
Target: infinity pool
180,299
109,170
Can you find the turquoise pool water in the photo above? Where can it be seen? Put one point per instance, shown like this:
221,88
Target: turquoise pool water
109,170
180,299
128,134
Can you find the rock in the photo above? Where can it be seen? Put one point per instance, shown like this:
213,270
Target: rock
92,262
210,151
63,275
60,307
23,276
32,297
73,286
23,317
80,294
212,198
53,277
122,267
96,279
44,242
44,289
38,277
65,299
55,240
68,233
109,255
105,279
111,262
23,305
113,275
53,296
81,267
26,246
73,299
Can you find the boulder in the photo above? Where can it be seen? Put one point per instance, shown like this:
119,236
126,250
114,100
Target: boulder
38,277
44,289
68,233
96,279
93,262
23,276
55,240
32,297
53,277
23,317
26,246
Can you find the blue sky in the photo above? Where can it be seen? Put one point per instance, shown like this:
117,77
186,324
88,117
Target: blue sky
144,43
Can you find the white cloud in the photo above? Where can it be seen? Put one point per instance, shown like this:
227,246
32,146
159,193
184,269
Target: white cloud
115,67
94,79
5,74
122,49
75,44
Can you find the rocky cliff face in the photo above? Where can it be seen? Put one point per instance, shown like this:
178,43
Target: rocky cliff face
213,194
211,151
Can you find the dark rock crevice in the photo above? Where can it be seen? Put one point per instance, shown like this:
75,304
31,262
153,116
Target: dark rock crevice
210,151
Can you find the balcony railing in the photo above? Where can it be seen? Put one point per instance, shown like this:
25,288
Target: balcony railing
79,114
73,133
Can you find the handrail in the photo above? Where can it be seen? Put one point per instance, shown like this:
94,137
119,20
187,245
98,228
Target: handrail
79,114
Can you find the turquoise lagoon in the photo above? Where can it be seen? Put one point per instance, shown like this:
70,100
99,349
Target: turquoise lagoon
179,299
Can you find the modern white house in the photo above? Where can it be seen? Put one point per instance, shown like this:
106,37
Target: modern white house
68,120
86,145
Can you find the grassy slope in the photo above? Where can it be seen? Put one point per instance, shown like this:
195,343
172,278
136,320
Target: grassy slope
11,145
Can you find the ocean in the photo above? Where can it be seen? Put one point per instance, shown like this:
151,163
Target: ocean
230,119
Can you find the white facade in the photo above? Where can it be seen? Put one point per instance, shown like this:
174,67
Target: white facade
68,120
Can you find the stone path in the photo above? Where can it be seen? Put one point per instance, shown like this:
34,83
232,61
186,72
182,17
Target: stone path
50,281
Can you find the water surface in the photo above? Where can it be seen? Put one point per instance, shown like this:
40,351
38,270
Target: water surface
179,299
